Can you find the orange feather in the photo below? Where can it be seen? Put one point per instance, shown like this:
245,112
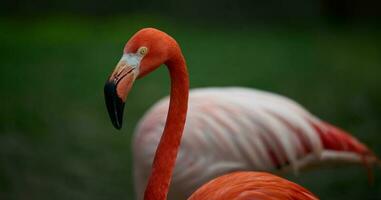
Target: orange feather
251,185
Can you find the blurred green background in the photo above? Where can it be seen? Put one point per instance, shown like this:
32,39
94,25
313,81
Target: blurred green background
56,141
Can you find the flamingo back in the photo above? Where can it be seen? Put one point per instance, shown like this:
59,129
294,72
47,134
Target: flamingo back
251,185
235,129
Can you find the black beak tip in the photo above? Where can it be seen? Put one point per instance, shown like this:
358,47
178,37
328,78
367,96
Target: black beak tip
117,125
114,104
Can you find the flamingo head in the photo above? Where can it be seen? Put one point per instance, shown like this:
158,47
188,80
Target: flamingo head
143,53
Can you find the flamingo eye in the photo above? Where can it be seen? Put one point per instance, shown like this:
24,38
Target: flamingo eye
143,51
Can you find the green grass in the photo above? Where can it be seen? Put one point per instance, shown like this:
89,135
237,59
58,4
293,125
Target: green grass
56,141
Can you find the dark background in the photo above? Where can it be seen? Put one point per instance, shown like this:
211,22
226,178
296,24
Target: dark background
56,141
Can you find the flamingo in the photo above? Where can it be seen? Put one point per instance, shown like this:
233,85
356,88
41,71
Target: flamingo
280,141
232,129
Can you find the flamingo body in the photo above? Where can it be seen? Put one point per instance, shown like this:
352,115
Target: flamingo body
251,185
232,129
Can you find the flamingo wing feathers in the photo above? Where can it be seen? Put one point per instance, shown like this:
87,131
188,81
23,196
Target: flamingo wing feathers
251,185
235,129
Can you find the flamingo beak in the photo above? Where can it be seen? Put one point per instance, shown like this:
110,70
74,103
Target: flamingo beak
116,90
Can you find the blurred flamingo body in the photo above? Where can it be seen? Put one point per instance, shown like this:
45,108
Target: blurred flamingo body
276,145
233,129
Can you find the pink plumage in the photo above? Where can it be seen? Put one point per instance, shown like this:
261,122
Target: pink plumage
232,129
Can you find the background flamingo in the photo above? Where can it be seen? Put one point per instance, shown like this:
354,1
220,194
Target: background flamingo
230,129
144,52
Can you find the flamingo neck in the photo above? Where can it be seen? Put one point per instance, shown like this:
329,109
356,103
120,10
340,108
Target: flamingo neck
166,153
